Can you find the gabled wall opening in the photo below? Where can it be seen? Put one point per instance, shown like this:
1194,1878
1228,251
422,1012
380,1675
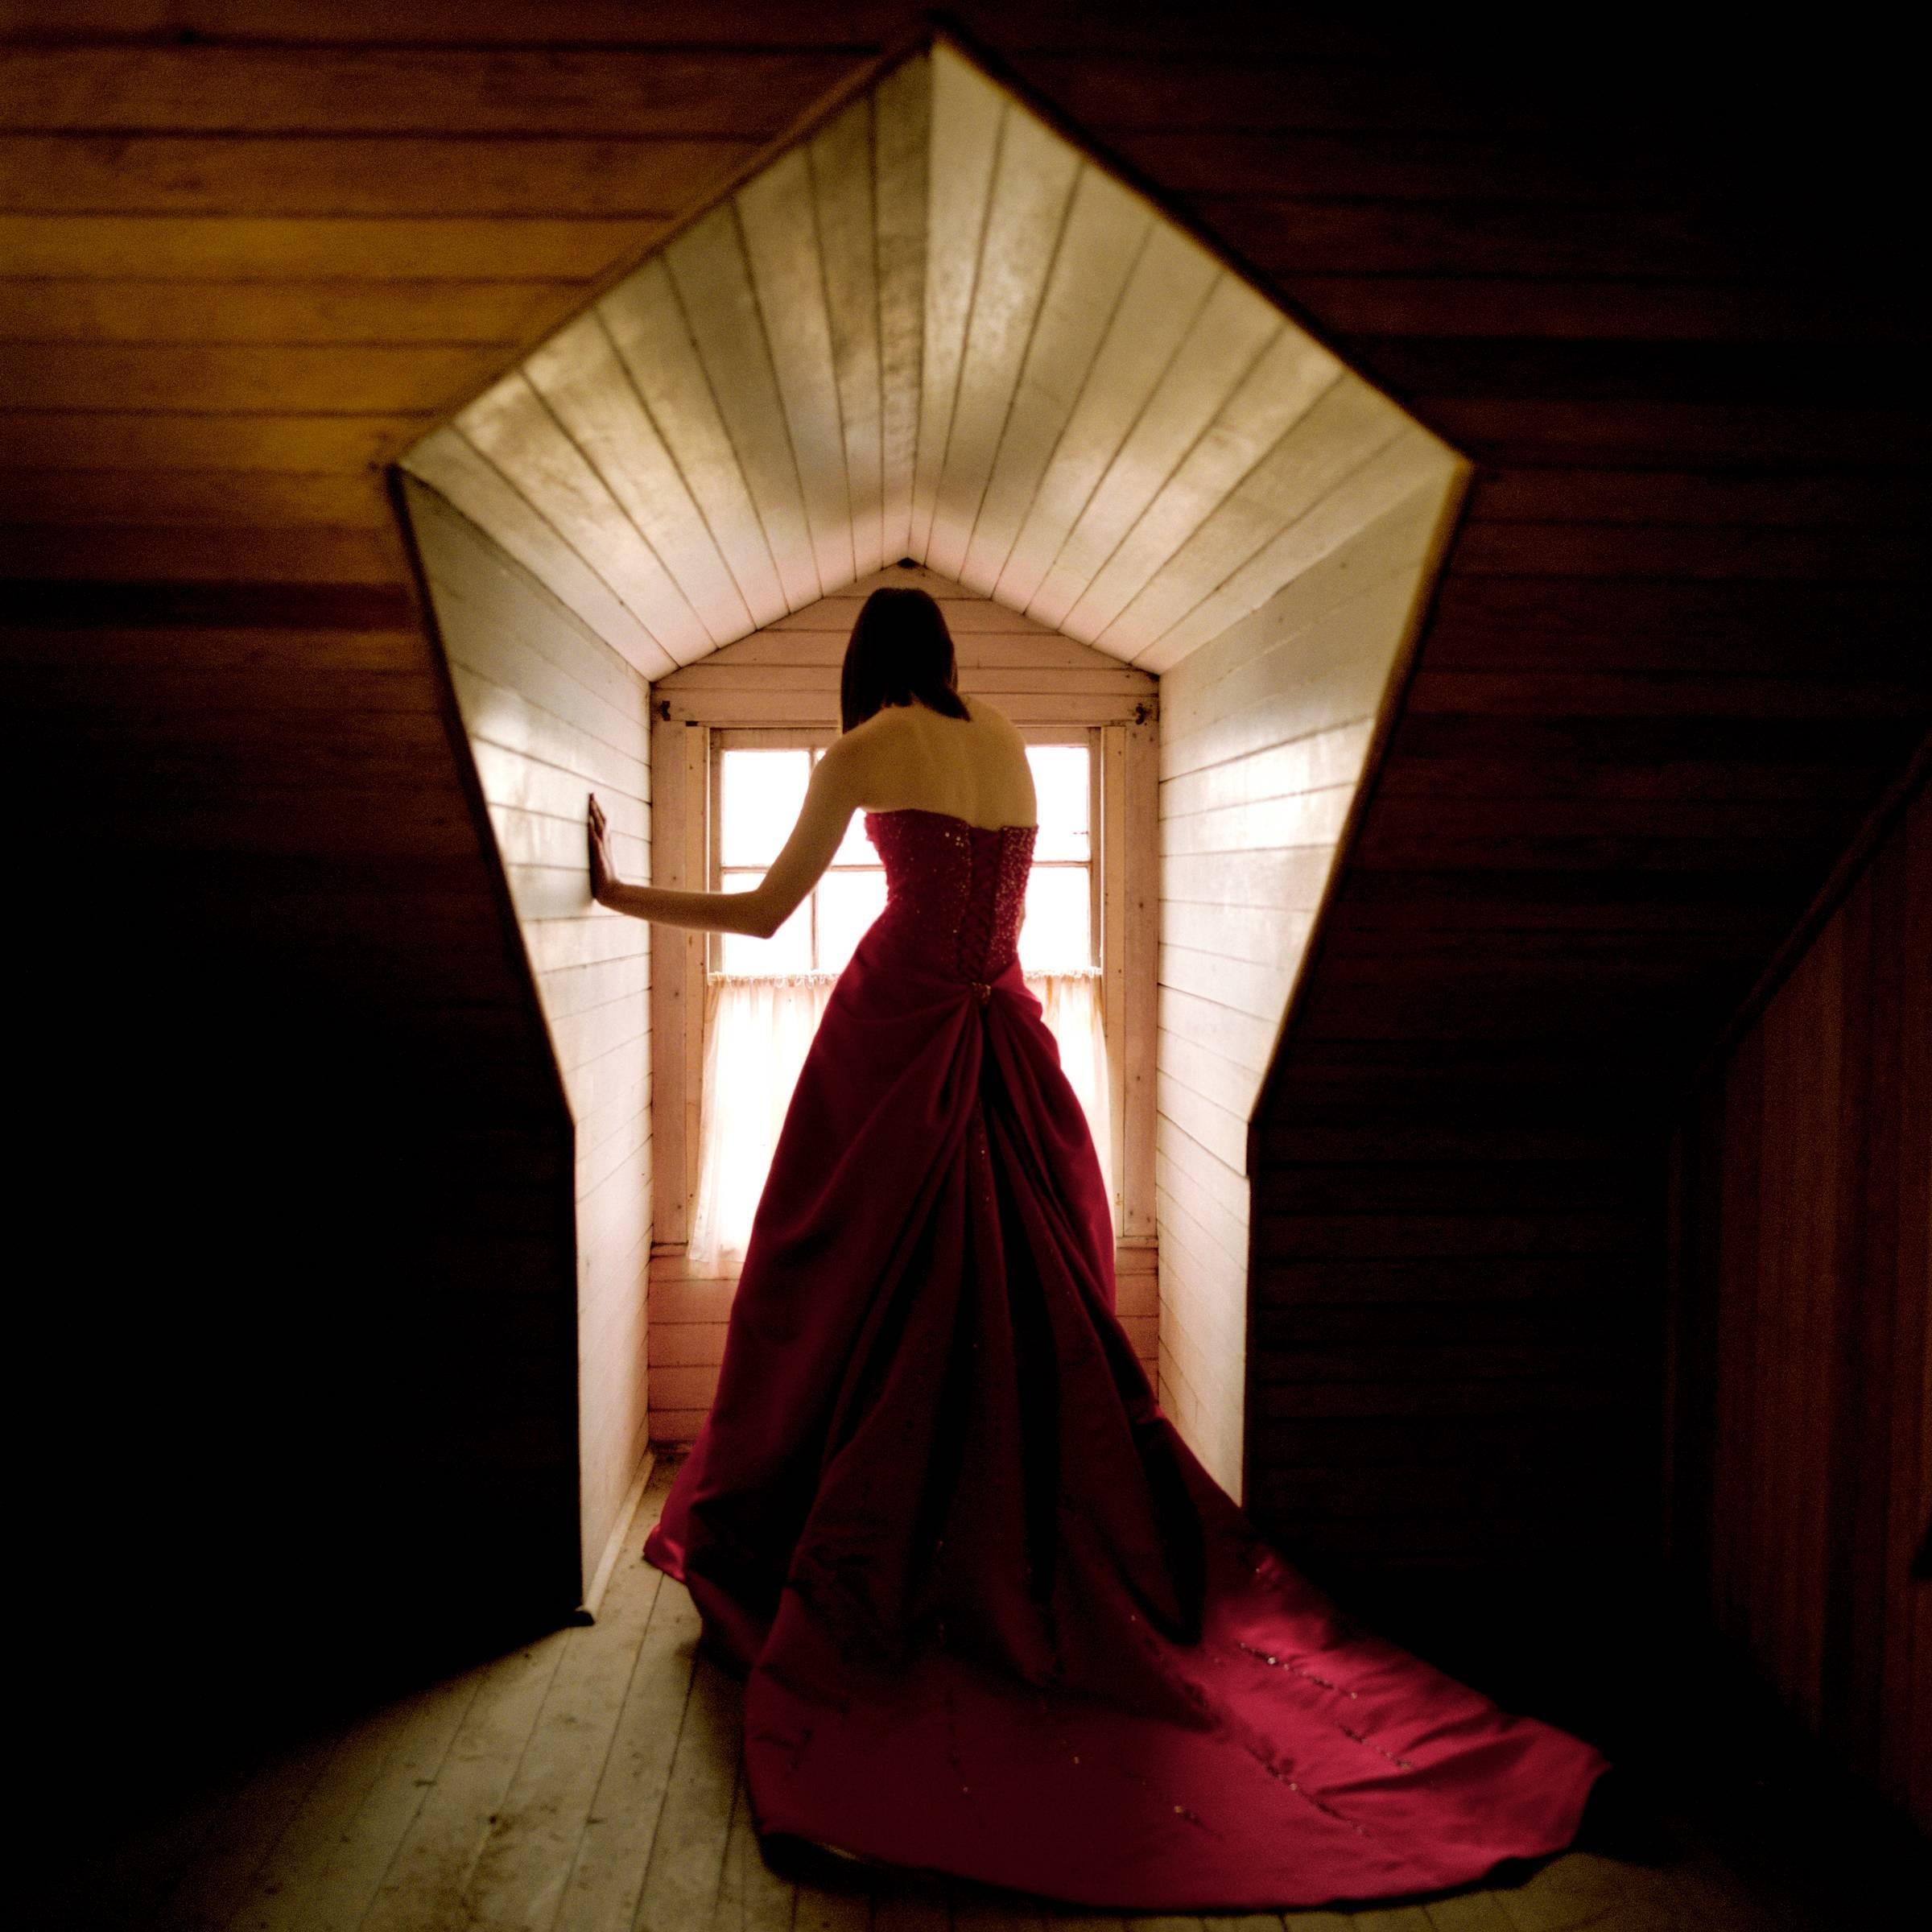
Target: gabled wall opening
936,328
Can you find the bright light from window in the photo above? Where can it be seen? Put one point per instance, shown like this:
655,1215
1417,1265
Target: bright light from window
848,902
1061,782
758,1027
764,791
761,793
1058,936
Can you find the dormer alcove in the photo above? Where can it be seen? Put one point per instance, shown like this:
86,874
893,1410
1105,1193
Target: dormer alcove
931,341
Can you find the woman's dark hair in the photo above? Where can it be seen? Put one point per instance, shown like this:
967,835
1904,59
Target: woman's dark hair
900,649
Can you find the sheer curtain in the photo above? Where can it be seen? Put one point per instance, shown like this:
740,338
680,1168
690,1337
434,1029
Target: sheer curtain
756,1030
756,1033
1076,1018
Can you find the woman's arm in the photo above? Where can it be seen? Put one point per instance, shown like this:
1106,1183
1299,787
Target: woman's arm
830,800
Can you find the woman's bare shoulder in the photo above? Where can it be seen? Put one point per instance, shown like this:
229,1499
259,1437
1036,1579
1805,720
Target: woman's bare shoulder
885,725
985,710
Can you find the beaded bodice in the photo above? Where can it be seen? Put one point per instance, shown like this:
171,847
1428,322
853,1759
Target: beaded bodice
956,891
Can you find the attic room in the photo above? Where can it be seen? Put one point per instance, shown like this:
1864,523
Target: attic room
1468,663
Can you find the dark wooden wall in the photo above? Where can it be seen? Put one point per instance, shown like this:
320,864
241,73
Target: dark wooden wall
293,1312
251,249
1264,732
1675,655
1802,1485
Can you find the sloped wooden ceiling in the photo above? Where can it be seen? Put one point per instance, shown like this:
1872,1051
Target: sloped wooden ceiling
935,330
932,329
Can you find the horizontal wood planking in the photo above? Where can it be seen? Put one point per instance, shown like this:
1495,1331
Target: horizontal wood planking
1706,308
611,93
553,712
226,249
1264,733
292,553
592,25
1799,1339
145,442
348,175
1264,736
146,309
220,753
1635,515
265,499
788,673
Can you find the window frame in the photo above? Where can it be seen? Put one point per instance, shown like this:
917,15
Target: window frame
745,738
770,737
1124,881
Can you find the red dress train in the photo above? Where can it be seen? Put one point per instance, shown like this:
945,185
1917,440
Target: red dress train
994,1617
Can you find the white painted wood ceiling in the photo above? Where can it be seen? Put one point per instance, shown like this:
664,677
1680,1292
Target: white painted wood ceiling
936,330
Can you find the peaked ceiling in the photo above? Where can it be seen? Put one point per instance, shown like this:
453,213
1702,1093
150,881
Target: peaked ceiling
933,329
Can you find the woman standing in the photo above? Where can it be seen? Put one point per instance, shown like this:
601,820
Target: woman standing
994,1618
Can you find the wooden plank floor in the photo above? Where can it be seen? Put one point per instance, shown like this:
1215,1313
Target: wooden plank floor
590,1782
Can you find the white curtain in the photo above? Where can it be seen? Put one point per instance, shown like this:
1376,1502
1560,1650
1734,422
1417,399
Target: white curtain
757,1031
756,1034
1076,1018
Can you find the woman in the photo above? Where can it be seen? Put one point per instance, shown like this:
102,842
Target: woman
994,1618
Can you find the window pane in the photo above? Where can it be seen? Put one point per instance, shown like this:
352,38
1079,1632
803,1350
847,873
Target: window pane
1057,933
855,848
762,791
848,902
788,950
1060,779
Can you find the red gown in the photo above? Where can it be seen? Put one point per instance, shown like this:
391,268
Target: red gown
995,1619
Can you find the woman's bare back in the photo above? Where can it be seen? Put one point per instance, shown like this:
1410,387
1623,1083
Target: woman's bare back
908,757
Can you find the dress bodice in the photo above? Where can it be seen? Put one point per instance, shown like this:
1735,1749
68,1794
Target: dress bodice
955,891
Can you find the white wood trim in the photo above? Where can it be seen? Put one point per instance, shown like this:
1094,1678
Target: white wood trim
620,1536
1141,894
1110,826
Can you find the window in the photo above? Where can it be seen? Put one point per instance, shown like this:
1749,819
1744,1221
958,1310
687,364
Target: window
1061,927
763,997
1088,947
759,788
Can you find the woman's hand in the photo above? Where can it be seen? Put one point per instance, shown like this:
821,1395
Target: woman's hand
757,912
603,874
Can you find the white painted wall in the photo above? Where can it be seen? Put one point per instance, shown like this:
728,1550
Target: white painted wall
1264,732
553,712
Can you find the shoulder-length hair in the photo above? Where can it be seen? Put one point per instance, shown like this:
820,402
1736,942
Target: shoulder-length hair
900,649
